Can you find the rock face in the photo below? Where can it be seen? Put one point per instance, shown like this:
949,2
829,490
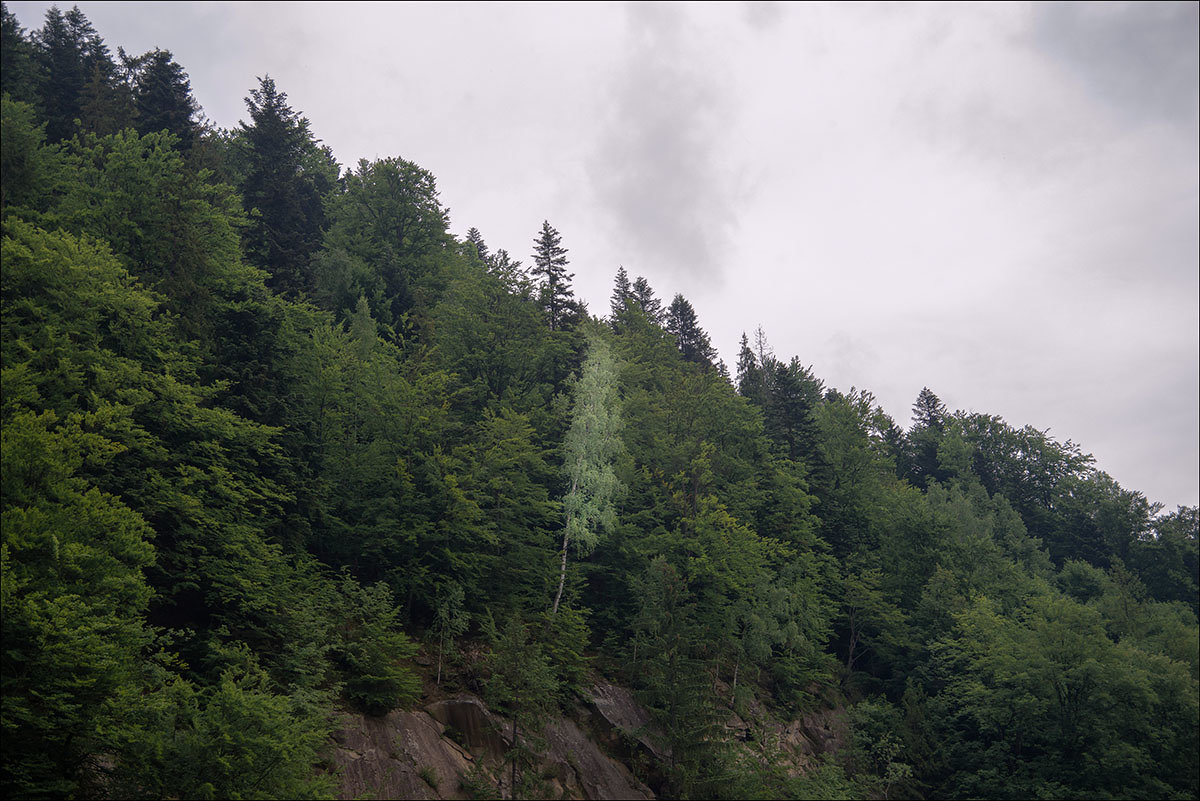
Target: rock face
584,770
622,718
402,755
426,754
440,751
468,720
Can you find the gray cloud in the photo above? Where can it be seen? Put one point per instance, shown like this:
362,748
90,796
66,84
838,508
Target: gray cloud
762,15
1143,59
657,169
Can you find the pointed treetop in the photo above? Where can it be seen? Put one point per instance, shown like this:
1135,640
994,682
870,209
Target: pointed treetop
644,297
475,239
622,292
550,268
929,411
692,340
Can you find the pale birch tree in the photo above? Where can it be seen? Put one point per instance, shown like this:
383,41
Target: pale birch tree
591,448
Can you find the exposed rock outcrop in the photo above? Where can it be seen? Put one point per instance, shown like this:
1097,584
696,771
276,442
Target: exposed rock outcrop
402,755
426,754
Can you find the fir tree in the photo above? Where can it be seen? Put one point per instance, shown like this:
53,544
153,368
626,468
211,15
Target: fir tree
622,293
644,297
282,189
70,54
691,339
163,97
475,240
550,268
17,67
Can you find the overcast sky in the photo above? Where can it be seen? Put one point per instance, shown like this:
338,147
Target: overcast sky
999,202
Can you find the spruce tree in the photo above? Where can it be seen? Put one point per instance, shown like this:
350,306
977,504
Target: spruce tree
163,97
16,59
550,268
282,190
622,293
644,297
929,424
475,240
691,339
70,54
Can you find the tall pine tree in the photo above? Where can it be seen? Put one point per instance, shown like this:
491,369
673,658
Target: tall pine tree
282,190
163,98
550,268
692,340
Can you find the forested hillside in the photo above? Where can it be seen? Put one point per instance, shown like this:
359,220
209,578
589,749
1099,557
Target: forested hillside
269,429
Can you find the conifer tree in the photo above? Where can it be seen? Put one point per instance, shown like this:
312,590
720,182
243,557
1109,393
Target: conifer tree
509,271
622,293
16,59
550,267
163,97
282,189
929,424
475,240
70,54
692,340
644,297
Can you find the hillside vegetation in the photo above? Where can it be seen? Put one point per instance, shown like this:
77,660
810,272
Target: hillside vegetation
269,429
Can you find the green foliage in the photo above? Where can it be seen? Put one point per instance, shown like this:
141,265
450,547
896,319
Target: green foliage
878,752
592,445
371,649
387,227
1046,703
25,163
564,636
234,739
284,176
554,282
450,620
192,452
521,685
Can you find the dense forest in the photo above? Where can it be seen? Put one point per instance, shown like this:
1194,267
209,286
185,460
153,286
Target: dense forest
269,430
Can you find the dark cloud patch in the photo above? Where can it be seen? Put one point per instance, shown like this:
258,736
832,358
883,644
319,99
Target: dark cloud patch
1140,58
762,15
657,169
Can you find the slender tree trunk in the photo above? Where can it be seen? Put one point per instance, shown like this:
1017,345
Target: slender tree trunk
733,692
441,647
562,573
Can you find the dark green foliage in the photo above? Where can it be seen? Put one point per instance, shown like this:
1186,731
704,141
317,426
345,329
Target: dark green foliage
554,282
17,65
647,303
622,296
26,167
387,229
223,506
77,76
284,177
675,686
924,436
162,97
521,685
1166,557
371,650
691,339
449,618
1045,703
